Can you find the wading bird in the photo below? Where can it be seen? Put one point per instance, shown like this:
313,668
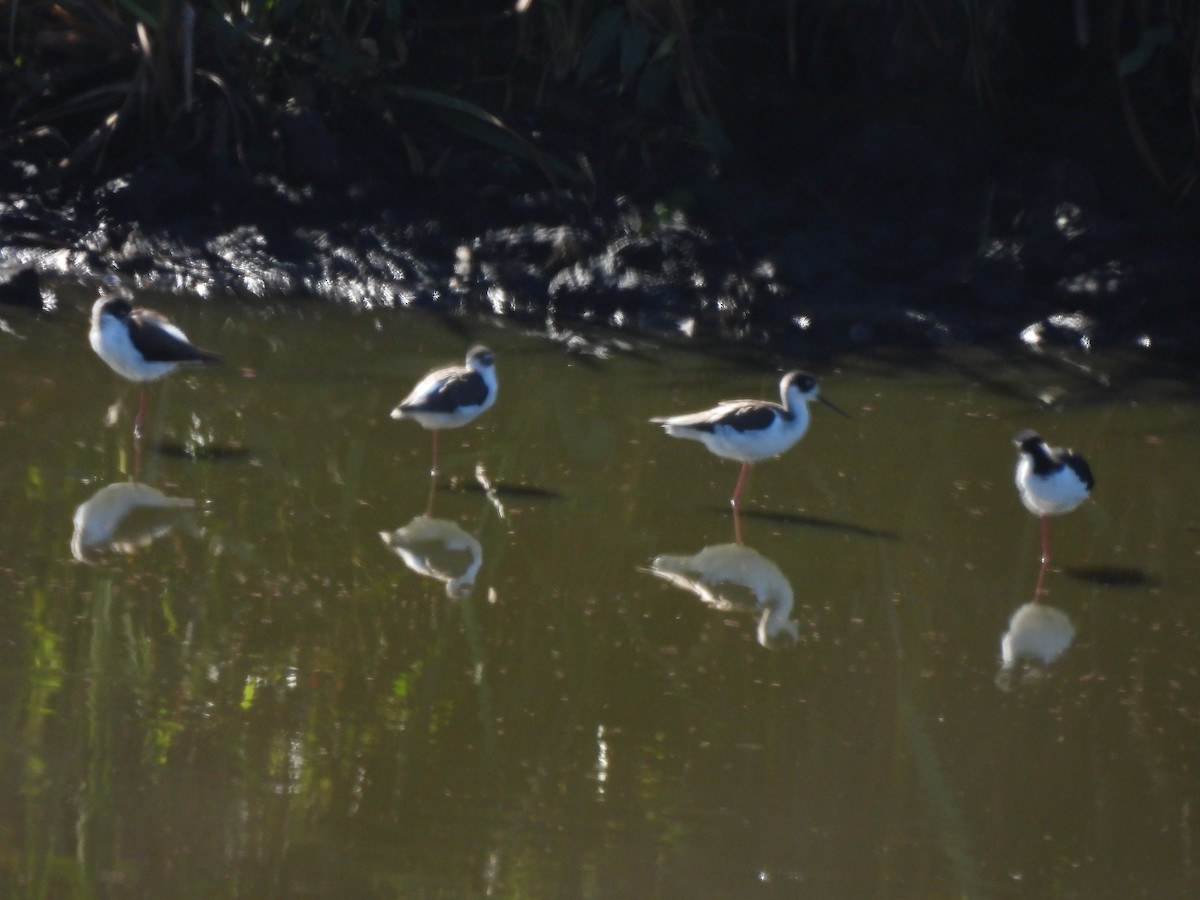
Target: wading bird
1050,480
140,345
751,430
451,397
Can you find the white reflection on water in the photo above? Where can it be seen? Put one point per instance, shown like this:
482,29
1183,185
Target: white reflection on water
1037,636
601,761
124,517
438,549
711,573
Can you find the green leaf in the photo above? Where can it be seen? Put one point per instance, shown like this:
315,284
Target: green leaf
655,83
480,125
635,45
713,135
666,47
140,12
1137,58
34,489
400,687
599,42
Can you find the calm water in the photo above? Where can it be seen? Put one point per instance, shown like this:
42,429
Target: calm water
242,689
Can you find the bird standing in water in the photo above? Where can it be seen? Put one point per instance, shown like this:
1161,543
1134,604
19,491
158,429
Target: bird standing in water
451,397
751,430
1050,480
140,345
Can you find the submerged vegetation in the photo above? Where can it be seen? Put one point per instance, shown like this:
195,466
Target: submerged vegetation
89,88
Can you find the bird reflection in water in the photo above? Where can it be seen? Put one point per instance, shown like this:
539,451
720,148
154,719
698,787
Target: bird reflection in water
438,549
716,572
1037,636
124,517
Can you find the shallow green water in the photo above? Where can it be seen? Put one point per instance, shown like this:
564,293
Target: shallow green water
255,696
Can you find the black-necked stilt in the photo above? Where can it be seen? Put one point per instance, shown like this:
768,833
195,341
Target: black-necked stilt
139,344
450,397
1050,480
751,430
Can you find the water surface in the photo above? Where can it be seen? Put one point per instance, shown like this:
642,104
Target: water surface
569,689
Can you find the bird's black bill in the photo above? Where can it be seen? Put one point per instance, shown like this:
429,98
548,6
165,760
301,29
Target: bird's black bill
837,409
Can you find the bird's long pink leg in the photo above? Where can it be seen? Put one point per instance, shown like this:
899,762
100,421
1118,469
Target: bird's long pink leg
741,482
141,415
429,501
433,471
1037,591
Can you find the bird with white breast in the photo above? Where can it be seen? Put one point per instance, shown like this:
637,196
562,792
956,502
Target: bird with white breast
751,430
452,397
139,344
1050,481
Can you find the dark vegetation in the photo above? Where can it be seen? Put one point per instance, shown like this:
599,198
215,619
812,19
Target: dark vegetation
92,87
1045,138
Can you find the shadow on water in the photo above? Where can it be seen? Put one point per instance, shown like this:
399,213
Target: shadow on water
516,491
1113,576
202,452
787,518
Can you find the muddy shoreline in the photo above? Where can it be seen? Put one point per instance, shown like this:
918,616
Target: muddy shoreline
895,236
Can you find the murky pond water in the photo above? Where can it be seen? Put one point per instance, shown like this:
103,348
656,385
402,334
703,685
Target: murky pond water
253,658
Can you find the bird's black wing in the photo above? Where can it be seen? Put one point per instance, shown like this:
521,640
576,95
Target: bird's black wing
1079,466
160,341
457,391
740,416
